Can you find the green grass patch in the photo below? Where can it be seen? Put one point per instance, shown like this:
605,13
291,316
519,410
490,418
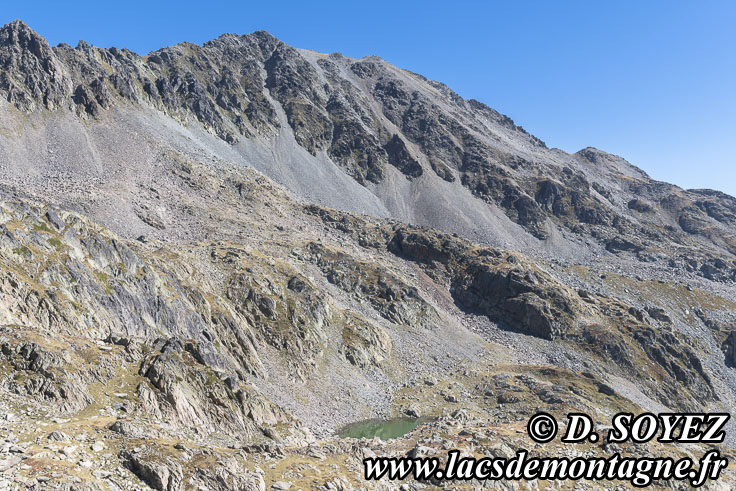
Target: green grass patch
42,227
104,279
23,251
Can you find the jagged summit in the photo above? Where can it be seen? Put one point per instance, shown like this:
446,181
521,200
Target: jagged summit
31,73
20,43
17,30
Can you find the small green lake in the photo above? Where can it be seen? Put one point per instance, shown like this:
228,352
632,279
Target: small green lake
383,429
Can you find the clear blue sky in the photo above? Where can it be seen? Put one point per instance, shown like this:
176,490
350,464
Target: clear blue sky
653,81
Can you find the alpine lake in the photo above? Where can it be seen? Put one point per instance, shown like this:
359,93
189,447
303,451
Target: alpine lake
383,429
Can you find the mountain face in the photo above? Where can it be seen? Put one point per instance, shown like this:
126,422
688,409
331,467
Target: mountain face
213,257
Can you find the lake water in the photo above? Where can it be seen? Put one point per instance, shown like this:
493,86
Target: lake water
383,429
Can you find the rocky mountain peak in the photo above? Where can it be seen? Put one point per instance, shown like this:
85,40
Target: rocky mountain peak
21,44
606,160
265,36
31,73
18,32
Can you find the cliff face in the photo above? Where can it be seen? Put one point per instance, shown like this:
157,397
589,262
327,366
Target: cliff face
418,253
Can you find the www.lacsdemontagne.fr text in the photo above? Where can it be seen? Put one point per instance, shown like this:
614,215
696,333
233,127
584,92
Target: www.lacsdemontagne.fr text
639,472
543,427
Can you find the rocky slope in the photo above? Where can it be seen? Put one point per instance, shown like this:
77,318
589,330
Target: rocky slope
213,257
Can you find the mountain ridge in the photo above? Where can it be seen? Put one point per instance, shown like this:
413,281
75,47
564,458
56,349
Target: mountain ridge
19,25
365,144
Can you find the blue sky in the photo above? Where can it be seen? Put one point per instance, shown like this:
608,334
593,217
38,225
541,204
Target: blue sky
652,81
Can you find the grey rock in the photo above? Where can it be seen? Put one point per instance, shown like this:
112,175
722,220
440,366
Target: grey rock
9,462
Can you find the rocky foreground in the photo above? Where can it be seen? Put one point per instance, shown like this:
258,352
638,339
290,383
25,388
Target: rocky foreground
171,318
